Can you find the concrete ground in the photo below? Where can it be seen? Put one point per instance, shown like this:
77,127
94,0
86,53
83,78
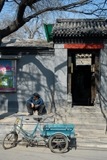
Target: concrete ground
32,153
62,116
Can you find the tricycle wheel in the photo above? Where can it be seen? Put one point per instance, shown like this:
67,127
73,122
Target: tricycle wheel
58,143
10,140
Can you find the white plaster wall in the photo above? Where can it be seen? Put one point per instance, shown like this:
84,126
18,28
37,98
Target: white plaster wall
3,103
35,75
103,72
60,76
45,74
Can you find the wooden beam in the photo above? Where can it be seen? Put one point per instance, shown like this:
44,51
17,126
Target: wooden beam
83,46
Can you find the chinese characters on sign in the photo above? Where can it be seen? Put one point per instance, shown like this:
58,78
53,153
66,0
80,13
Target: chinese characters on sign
7,75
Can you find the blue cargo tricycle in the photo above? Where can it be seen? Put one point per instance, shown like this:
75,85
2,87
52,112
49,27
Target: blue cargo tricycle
58,137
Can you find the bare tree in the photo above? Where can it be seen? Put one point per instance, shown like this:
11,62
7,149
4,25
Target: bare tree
1,4
29,9
34,28
20,33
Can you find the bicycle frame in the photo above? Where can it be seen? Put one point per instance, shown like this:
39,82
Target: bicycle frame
55,136
27,135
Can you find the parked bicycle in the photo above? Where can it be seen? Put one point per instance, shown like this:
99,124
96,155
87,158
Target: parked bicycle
55,136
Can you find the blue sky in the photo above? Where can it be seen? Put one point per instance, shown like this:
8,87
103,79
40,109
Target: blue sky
9,12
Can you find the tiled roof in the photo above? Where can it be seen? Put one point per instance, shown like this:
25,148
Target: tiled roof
26,43
80,28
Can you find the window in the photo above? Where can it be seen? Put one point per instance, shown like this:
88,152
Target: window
7,75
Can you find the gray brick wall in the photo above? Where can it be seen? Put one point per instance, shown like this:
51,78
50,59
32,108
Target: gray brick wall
34,74
103,78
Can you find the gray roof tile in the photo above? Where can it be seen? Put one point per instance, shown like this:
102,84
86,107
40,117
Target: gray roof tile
80,28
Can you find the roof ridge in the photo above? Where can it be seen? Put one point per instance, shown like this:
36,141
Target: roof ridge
80,20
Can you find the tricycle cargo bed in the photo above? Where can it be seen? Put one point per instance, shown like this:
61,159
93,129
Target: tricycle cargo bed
66,129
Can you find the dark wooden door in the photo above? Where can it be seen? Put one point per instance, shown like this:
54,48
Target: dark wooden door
81,85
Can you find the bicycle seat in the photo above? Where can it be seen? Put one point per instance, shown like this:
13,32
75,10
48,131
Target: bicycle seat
37,118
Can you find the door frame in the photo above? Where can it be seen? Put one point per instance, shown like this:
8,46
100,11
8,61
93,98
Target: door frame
72,64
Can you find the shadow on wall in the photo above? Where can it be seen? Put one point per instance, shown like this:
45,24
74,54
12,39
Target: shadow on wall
13,105
47,73
103,105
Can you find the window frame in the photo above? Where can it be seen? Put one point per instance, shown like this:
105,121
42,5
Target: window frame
8,70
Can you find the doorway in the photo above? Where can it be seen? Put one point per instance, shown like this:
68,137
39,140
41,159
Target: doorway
81,85
83,75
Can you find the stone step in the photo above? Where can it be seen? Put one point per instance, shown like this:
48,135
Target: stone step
85,118
92,139
83,138
71,112
80,120
91,133
80,145
82,108
91,144
96,146
79,130
77,122
85,114
80,125
81,115
89,127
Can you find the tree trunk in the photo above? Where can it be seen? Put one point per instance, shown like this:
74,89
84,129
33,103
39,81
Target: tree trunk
10,29
1,4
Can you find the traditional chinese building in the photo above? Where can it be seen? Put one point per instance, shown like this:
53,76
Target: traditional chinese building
69,71
80,46
26,67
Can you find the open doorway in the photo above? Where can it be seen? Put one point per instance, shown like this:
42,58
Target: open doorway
81,85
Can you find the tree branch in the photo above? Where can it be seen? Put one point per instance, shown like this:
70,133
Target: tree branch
21,19
59,8
1,4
